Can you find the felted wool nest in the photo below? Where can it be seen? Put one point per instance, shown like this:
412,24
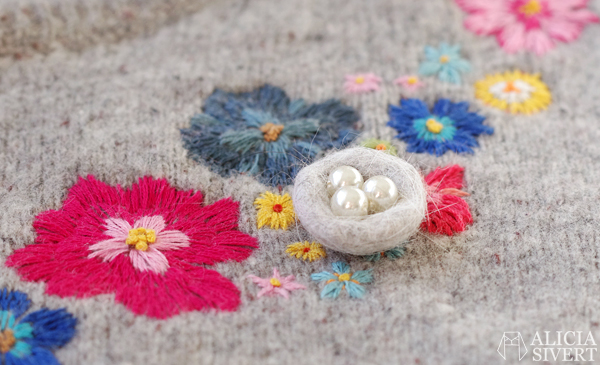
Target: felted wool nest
366,234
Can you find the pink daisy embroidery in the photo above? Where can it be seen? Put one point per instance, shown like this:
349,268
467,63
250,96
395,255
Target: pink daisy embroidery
361,83
410,83
148,244
534,25
276,285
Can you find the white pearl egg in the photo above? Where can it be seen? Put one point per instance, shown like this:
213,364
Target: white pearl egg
344,176
350,201
382,193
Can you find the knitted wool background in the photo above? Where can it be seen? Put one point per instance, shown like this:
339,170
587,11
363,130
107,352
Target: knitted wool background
530,262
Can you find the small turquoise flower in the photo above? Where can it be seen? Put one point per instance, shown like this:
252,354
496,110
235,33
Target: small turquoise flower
393,254
446,62
29,340
342,279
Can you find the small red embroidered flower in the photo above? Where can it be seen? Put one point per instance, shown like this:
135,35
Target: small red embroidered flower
446,211
147,244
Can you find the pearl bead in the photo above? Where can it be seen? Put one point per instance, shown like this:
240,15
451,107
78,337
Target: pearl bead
344,176
350,201
381,192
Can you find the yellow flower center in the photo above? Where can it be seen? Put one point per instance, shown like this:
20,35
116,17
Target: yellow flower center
140,238
532,8
444,59
271,131
510,87
434,126
344,277
7,340
413,79
381,147
360,80
275,282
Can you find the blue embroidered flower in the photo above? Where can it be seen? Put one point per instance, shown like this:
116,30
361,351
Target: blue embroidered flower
449,126
393,254
342,279
264,133
29,340
445,62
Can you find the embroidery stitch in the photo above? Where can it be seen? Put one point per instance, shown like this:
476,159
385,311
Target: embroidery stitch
361,83
531,25
81,249
449,126
265,134
380,145
275,210
447,213
342,279
393,254
311,251
514,91
29,340
276,285
410,82
445,62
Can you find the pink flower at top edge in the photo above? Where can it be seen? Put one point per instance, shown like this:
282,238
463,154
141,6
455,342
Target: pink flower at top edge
361,83
148,244
532,25
276,285
410,83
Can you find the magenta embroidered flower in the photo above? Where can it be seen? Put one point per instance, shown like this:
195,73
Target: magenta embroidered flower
361,83
150,245
276,285
533,25
410,83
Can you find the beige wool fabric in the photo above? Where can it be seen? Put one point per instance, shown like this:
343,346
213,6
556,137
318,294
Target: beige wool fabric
530,262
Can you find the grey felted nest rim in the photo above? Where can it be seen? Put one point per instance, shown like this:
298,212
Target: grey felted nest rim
368,234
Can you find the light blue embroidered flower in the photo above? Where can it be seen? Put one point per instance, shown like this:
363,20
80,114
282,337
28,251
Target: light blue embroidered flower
29,340
393,254
445,62
342,279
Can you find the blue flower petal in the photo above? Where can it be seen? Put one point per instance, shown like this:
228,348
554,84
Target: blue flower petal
332,290
323,276
355,290
51,328
363,277
460,65
428,68
23,330
448,74
36,356
14,301
432,54
341,267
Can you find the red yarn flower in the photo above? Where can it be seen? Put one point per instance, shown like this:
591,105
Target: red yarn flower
446,211
147,244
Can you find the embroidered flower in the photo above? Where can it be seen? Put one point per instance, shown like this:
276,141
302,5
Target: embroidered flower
275,210
449,126
276,285
311,251
393,254
31,339
410,83
342,279
148,244
265,134
532,25
514,92
445,62
380,145
361,83
447,212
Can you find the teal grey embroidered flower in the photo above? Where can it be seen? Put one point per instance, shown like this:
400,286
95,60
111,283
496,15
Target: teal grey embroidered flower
445,62
342,279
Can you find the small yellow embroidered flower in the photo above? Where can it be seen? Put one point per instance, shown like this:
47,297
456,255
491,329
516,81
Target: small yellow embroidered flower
310,251
434,126
140,238
275,210
515,92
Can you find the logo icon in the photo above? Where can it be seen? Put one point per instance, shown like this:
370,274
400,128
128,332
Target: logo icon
512,340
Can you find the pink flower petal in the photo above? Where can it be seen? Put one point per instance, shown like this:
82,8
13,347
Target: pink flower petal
284,293
107,250
156,222
537,41
117,228
563,30
276,274
170,240
149,260
260,281
266,291
512,37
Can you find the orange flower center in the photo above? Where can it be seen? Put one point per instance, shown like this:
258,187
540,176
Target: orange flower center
434,126
140,238
444,59
532,8
381,147
7,340
275,282
360,80
271,131
510,87
277,208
